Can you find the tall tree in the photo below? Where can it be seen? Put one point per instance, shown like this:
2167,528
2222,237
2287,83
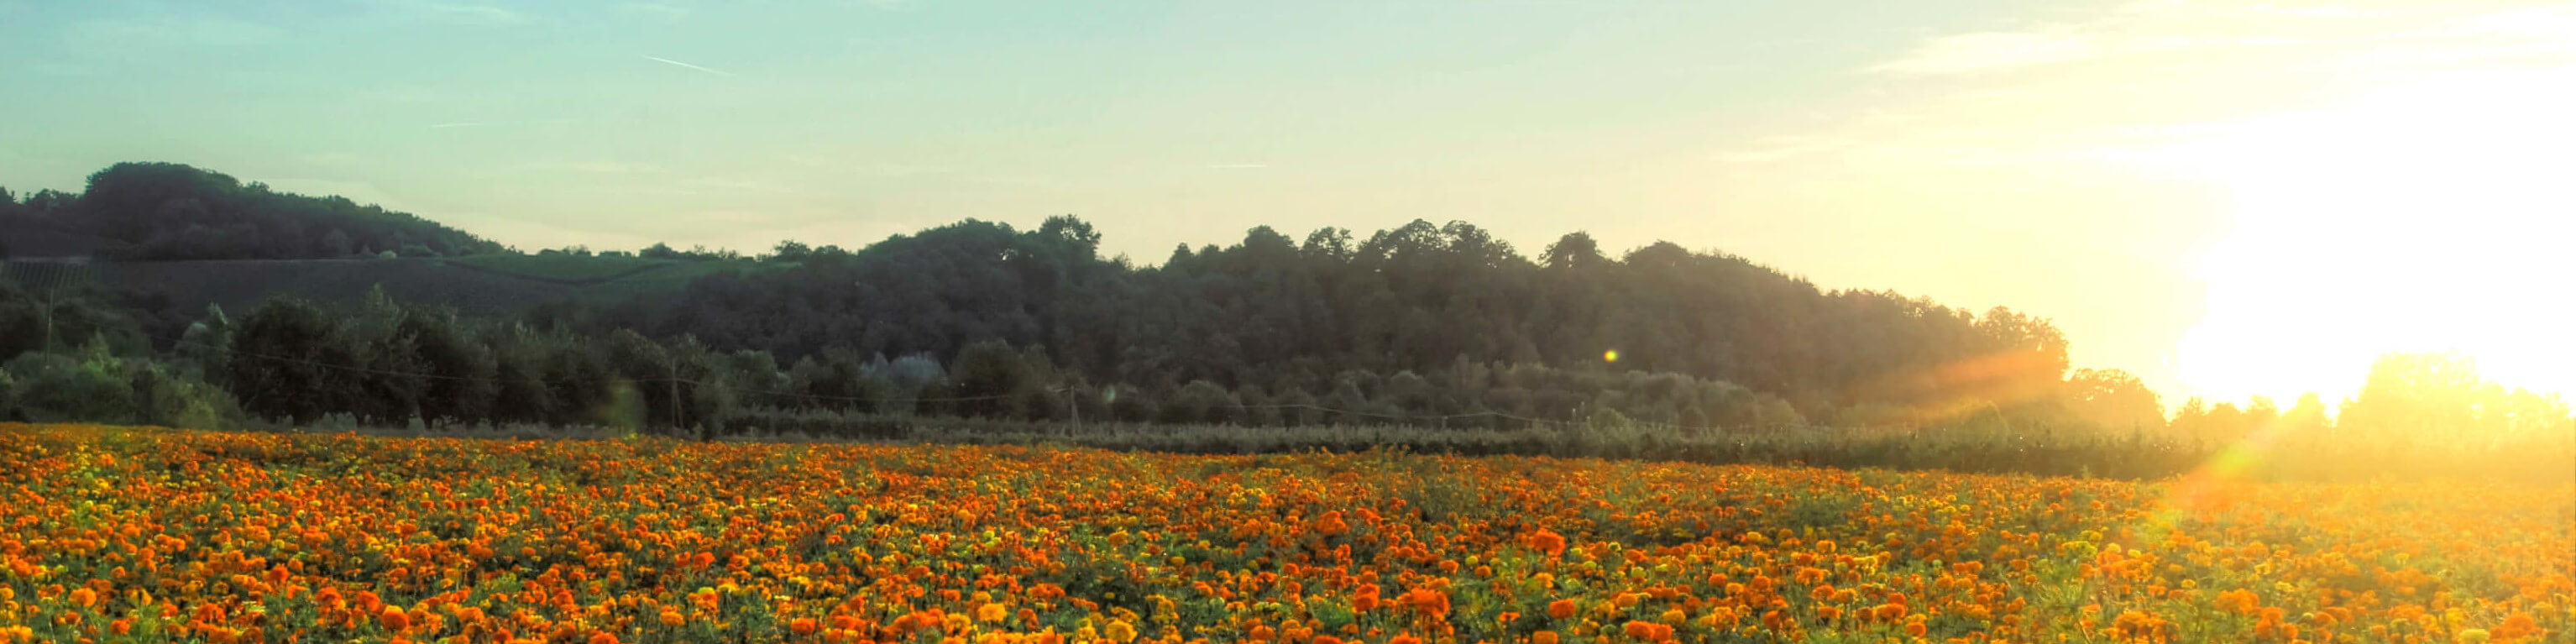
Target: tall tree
2114,400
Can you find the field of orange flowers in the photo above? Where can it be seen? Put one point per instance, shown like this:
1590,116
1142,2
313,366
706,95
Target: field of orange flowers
118,534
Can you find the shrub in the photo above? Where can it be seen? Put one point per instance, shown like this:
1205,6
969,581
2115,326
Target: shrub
53,387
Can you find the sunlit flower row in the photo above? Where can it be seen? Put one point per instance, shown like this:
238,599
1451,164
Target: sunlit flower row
117,534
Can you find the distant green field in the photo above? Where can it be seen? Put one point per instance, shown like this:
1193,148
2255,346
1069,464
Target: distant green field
563,267
601,270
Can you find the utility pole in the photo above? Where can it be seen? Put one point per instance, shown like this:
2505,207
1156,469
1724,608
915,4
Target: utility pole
48,307
1073,401
671,368
45,291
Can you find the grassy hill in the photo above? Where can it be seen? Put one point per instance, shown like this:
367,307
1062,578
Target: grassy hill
184,237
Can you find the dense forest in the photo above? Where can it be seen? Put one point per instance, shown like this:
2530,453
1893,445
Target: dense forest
1421,325
1271,314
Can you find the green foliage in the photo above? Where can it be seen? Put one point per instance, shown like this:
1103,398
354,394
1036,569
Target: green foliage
173,211
991,380
1607,427
48,308
169,400
291,362
1200,402
2441,397
88,385
1420,298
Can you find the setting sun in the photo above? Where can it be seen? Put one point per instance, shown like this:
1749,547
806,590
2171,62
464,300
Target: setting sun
2413,219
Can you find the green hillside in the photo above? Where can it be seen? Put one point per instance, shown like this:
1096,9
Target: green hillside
183,237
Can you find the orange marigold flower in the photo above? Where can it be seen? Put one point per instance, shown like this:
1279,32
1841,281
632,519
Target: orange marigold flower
1561,609
1889,612
1639,630
1119,631
1427,601
2518,625
1547,541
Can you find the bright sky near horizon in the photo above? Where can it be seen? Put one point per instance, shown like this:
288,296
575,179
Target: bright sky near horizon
2226,198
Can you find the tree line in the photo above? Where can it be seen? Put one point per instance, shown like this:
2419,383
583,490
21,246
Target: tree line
1275,314
1419,325
387,363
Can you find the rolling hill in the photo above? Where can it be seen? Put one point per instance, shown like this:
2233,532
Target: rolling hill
184,237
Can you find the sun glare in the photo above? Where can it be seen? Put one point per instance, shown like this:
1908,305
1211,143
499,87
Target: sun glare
2431,217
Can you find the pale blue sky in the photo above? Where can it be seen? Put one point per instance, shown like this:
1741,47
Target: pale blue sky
612,122
2066,158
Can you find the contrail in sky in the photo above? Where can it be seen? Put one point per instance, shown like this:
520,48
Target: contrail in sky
717,72
500,123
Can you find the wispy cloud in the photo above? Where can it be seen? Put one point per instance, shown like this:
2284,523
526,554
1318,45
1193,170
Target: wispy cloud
2089,86
499,123
731,216
455,11
165,30
709,70
597,167
1783,147
331,158
452,11
739,185
662,10
1976,52
51,68
2161,32
474,12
